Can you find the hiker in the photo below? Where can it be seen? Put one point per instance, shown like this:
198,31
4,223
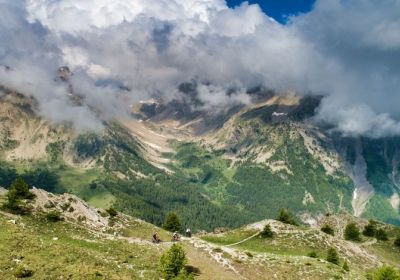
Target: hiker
155,238
175,237
188,233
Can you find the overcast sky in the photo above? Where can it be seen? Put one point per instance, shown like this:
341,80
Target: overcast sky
348,51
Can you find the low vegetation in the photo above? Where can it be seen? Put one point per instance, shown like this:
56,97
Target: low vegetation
352,232
285,216
332,256
328,230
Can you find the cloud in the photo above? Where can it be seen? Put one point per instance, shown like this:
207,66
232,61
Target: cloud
348,51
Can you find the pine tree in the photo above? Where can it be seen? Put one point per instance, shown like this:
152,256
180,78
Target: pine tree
332,256
267,232
172,262
352,232
18,190
286,217
328,230
370,229
172,222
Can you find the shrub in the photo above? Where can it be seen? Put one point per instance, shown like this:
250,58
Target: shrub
386,273
313,254
370,229
172,222
267,232
54,216
397,242
332,256
286,217
172,262
346,267
112,212
23,272
381,234
328,230
352,232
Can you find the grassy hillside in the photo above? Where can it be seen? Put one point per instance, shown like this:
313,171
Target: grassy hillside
95,245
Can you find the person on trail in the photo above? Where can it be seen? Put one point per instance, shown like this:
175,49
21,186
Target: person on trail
155,238
175,237
188,233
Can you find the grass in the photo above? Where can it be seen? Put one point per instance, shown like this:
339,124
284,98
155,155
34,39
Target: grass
281,244
80,183
37,246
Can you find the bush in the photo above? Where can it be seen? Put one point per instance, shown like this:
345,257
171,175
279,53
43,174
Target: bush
23,272
54,216
286,217
332,256
313,254
267,232
112,212
346,267
328,230
370,229
386,273
172,262
352,232
172,222
381,234
397,242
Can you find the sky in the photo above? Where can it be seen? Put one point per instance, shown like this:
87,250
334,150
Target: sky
279,9
346,51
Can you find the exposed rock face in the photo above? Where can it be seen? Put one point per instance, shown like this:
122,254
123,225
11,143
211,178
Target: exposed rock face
71,207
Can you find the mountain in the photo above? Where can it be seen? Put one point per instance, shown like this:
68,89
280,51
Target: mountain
96,245
215,167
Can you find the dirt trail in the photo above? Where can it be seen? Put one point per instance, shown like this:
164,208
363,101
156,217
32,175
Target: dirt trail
207,267
244,240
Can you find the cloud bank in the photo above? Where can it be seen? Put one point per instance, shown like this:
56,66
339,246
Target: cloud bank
348,51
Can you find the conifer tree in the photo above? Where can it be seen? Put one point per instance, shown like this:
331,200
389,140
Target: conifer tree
352,232
332,256
172,222
172,262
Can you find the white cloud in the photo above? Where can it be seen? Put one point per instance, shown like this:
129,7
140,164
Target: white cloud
346,50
